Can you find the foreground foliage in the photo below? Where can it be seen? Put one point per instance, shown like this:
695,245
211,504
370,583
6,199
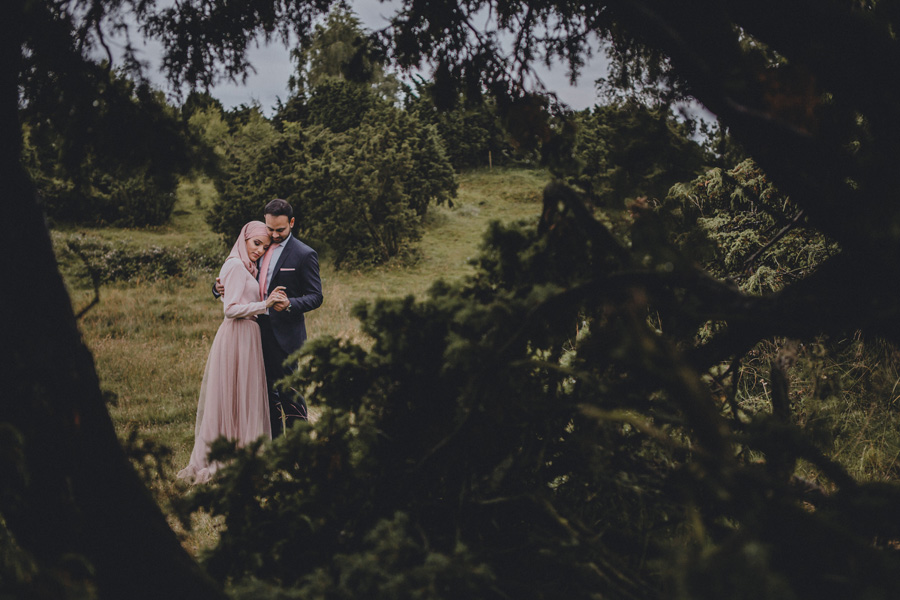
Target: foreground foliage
529,433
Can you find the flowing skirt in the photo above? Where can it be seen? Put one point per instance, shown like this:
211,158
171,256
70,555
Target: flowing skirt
233,398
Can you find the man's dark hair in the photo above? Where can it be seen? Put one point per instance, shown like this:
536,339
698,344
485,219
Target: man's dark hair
278,208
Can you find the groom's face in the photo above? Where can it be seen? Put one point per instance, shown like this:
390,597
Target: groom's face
279,227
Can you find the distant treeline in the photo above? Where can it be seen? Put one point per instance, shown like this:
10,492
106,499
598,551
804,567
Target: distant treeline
359,155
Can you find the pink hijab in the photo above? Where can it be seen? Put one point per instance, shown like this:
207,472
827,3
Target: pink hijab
239,250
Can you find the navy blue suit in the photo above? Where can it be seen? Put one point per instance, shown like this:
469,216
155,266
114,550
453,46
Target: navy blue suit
283,332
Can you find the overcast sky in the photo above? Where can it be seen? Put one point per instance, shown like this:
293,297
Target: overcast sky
273,68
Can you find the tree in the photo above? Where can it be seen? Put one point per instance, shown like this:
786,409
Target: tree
471,130
341,50
248,166
70,497
362,192
340,76
630,150
339,105
85,173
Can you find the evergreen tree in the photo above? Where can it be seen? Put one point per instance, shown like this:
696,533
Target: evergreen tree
92,171
339,104
365,192
339,77
471,130
341,49
625,151
362,192
248,166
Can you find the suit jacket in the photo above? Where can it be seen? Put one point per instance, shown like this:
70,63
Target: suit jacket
297,269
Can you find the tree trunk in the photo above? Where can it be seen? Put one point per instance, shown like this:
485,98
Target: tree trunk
73,491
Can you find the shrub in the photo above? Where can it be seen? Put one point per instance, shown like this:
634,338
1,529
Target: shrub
627,150
361,193
138,200
115,165
339,105
739,226
472,133
88,257
251,157
364,192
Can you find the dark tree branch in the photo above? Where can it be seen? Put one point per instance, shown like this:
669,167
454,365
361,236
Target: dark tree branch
784,231
847,293
836,42
778,377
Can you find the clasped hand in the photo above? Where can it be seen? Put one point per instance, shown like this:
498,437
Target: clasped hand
278,299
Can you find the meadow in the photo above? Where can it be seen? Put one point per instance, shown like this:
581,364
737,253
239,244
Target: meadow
150,338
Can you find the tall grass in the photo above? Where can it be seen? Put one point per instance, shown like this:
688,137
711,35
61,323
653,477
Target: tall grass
150,339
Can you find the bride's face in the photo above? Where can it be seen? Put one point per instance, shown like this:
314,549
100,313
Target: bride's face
256,247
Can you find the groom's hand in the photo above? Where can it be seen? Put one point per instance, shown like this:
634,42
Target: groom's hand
282,304
220,287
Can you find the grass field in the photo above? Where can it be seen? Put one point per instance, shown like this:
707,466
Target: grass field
150,339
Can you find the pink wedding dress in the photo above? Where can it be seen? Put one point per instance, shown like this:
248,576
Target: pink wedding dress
233,397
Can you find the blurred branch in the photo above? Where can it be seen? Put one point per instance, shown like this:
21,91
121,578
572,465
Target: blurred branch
781,403
778,236
94,274
641,424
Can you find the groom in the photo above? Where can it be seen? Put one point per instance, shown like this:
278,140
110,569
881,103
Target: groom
294,265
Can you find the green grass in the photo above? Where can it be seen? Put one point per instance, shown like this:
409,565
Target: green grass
150,340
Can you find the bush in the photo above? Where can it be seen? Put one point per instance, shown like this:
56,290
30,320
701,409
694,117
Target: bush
627,150
91,257
739,226
362,193
471,132
119,166
131,201
339,105
251,157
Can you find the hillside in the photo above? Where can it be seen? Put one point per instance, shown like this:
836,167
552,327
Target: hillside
150,338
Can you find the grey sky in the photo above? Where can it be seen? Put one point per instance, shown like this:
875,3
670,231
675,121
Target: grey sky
273,67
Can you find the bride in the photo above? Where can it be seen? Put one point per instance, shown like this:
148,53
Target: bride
233,398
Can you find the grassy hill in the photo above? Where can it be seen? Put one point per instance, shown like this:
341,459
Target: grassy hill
150,338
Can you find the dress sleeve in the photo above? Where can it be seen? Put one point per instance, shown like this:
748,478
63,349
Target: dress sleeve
235,276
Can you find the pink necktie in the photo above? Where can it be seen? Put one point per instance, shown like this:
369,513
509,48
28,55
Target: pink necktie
264,272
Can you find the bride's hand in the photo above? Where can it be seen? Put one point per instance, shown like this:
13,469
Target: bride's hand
276,296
